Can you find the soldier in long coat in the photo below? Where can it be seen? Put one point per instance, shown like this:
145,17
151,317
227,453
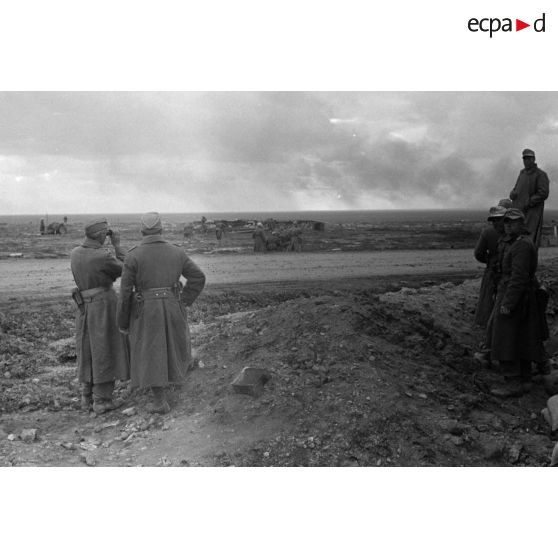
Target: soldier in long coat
486,251
518,328
152,309
529,193
101,349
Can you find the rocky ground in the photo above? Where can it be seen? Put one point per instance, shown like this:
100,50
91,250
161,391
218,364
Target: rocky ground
372,372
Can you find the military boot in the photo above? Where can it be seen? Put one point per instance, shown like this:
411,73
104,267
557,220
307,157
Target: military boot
86,402
543,367
159,405
512,388
86,397
514,381
101,406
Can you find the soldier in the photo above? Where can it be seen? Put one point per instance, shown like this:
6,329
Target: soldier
260,243
518,327
219,231
101,349
486,251
529,193
152,309
42,227
295,243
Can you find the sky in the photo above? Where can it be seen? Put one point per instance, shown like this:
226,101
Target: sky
128,152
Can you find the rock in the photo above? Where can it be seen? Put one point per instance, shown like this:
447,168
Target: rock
514,452
68,445
90,461
492,449
11,437
550,382
130,411
251,381
552,406
28,434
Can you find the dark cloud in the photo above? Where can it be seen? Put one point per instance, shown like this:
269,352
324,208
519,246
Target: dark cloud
226,149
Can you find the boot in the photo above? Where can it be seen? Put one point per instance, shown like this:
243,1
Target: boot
86,402
160,405
543,368
86,397
483,358
101,406
506,391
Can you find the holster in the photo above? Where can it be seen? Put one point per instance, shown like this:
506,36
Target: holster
177,289
78,299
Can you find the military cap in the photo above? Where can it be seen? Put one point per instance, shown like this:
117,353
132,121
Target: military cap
514,213
151,222
95,226
496,212
507,203
528,153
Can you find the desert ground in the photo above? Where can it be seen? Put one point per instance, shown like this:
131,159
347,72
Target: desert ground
367,337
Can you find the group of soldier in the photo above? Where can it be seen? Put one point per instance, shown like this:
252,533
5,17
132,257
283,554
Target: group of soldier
142,334
512,303
284,239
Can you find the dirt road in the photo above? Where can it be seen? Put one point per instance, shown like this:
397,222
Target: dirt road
51,277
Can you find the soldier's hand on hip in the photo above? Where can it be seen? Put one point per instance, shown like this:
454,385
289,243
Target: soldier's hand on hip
505,310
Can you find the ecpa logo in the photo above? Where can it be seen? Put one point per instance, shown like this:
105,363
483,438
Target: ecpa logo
493,25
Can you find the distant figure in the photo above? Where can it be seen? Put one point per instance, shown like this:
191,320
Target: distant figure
152,310
203,224
259,239
295,244
219,231
42,227
100,348
188,231
529,193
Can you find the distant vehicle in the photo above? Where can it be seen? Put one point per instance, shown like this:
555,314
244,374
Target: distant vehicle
56,228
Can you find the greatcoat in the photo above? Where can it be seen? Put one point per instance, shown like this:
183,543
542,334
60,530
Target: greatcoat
528,195
160,349
519,335
101,349
486,251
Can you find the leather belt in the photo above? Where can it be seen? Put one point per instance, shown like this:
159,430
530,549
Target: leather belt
89,294
163,292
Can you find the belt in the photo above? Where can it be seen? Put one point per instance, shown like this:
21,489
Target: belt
89,294
162,292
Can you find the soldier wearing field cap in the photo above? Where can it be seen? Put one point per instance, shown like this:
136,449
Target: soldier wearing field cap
101,349
529,193
518,328
152,309
486,251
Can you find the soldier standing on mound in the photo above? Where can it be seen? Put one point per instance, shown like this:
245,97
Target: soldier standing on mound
518,328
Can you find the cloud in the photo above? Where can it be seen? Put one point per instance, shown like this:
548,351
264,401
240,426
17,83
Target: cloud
262,150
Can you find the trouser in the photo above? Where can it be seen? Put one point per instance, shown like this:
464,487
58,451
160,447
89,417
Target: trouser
100,392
